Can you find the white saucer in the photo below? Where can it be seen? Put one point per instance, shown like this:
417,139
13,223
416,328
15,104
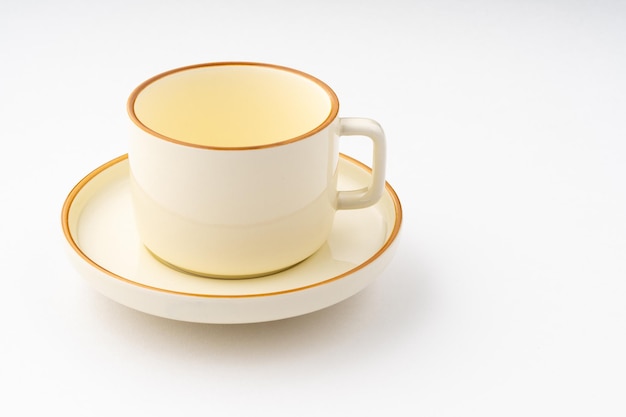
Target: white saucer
99,227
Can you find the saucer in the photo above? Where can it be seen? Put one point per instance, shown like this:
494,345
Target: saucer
104,247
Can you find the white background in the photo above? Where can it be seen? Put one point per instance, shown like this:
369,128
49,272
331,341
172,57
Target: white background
506,124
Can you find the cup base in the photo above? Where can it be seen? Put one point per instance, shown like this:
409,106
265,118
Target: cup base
217,276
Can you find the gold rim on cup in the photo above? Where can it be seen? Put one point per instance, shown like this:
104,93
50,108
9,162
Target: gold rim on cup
334,108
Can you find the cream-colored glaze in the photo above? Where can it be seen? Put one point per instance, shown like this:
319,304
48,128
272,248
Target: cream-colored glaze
233,105
250,208
237,214
105,248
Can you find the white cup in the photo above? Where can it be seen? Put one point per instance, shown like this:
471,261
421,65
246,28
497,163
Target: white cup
234,167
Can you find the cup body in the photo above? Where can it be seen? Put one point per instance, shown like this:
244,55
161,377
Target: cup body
239,207
234,214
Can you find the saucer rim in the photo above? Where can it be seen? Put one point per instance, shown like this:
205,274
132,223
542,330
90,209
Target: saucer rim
65,221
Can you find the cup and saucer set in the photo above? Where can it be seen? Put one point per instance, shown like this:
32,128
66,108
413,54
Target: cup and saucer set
233,204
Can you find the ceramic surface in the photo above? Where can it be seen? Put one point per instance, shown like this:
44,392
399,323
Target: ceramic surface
278,197
105,248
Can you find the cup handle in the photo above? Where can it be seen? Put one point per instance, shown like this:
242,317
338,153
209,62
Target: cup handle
369,195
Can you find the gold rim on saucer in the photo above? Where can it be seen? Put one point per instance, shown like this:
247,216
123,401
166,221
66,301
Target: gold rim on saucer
98,224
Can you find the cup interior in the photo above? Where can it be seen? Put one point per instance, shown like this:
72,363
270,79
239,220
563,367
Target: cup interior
233,105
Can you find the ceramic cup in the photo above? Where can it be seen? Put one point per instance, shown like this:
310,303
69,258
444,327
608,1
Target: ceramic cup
234,167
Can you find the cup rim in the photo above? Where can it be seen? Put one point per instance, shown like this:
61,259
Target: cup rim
334,109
